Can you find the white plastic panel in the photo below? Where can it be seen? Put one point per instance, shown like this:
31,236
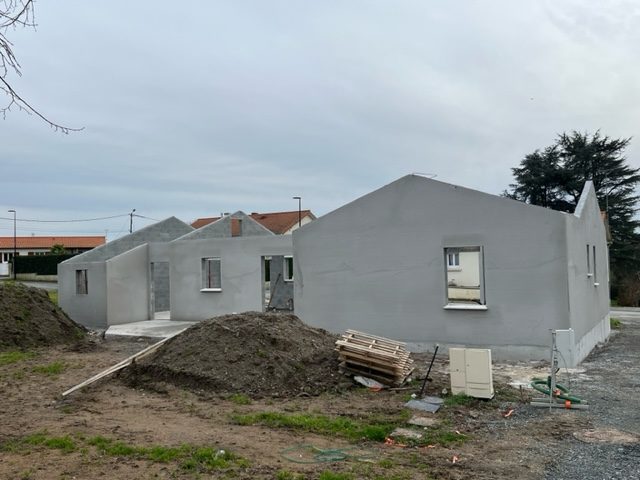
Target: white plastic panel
471,372
457,369
565,340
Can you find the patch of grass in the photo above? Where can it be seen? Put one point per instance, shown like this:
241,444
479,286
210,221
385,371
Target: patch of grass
14,356
161,454
192,458
65,443
615,323
440,436
53,296
341,426
240,399
54,368
459,399
207,459
67,409
27,474
327,475
285,475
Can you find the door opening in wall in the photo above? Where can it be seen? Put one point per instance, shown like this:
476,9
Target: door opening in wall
266,282
159,291
277,283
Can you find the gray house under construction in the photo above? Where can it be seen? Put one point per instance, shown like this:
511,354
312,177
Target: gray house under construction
417,260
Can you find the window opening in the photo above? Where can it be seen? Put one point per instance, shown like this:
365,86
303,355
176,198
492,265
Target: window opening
464,276
81,282
211,279
288,268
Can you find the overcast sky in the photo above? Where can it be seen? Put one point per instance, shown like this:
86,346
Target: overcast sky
196,108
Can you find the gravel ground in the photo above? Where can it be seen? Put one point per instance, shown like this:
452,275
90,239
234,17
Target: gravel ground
610,383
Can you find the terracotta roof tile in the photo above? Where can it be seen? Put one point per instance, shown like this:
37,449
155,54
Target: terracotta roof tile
277,222
48,242
280,222
201,222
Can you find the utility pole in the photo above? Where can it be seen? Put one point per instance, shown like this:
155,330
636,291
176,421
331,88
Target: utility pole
299,210
131,221
15,249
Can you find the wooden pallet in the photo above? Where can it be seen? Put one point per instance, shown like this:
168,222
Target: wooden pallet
379,358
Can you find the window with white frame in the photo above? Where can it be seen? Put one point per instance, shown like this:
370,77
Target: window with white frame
211,279
595,269
465,277
589,272
288,268
81,282
453,261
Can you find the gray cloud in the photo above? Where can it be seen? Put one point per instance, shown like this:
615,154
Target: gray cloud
217,106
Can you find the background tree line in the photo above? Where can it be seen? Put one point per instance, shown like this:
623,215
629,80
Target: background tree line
554,177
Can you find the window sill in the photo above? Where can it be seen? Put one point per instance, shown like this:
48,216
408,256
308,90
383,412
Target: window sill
454,269
210,289
589,275
596,284
288,280
464,306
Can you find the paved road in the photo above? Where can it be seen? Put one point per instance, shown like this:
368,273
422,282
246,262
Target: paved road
611,384
45,285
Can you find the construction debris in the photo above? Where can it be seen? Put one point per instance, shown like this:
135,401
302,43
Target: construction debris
379,358
369,383
427,404
406,433
423,421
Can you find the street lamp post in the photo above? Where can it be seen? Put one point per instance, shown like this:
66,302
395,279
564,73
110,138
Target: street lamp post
15,249
299,210
131,221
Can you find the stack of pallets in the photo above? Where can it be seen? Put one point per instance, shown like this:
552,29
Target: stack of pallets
382,359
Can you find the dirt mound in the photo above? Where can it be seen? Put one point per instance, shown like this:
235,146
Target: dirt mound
258,354
29,319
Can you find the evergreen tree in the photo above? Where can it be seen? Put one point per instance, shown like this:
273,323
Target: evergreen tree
555,177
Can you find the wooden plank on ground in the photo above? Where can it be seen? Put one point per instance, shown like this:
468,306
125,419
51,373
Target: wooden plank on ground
120,365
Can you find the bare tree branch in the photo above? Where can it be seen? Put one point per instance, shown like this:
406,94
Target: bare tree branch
13,14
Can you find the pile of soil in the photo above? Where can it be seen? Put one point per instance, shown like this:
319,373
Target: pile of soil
28,319
257,354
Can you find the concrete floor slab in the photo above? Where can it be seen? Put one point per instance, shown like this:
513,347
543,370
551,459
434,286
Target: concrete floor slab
150,328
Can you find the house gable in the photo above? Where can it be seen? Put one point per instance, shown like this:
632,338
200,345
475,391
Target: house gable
237,224
381,261
163,231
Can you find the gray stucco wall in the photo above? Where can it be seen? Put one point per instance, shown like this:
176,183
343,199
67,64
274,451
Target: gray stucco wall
377,265
89,310
222,228
589,303
241,273
128,287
